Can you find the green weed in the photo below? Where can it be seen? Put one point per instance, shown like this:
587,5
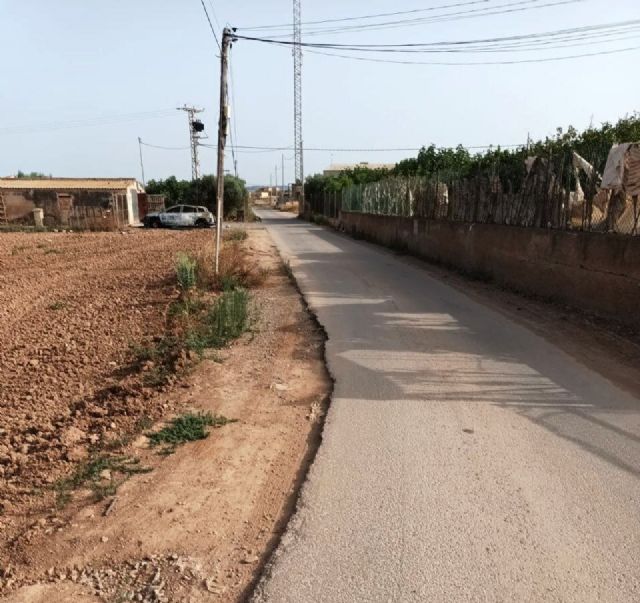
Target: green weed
226,319
89,474
58,305
159,359
186,272
188,427
229,282
185,307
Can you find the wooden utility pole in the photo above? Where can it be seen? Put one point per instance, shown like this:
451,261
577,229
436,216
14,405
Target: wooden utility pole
223,122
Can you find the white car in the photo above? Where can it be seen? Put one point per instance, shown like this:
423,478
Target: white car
181,216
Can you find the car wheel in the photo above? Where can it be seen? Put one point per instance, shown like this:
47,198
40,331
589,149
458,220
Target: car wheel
154,223
201,223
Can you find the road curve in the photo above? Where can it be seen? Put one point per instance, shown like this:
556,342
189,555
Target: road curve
463,459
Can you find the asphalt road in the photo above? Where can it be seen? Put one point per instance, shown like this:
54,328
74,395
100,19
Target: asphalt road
463,459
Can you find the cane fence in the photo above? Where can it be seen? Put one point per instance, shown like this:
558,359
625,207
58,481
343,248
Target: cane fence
559,191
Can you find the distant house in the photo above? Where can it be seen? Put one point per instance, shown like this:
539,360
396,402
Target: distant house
336,169
92,203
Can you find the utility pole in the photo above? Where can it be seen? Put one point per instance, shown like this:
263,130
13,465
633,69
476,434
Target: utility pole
196,127
227,38
282,175
297,98
141,162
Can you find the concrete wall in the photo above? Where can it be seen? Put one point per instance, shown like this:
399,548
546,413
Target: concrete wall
596,272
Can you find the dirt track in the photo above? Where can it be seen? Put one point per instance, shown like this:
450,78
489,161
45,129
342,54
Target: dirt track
201,521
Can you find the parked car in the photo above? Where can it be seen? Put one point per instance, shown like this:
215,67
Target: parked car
180,216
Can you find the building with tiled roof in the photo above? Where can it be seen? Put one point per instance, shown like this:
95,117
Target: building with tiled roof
81,203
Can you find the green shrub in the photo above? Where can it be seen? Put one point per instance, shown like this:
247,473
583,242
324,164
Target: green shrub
188,427
226,319
186,272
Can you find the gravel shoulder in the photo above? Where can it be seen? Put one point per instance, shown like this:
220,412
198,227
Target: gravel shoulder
200,525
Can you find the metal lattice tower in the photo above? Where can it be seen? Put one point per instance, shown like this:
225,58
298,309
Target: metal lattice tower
297,94
195,130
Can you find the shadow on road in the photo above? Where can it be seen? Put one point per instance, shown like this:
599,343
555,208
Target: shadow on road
408,336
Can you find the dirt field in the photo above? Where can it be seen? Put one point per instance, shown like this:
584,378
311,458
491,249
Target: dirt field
199,524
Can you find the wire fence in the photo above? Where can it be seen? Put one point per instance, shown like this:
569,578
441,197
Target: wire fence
560,191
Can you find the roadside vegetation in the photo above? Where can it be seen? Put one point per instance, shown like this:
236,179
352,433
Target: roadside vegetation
203,191
209,312
593,144
188,427
103,474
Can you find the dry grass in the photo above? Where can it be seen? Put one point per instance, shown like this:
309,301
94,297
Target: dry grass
236,268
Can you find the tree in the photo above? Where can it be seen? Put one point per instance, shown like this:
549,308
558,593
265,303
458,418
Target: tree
201,192
31,175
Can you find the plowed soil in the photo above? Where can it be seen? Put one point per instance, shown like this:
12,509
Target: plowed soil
71,307
198,526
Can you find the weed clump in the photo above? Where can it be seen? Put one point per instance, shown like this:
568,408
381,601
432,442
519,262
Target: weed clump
225,320
157,359
92,474
188,427
235,268
235,234
186,272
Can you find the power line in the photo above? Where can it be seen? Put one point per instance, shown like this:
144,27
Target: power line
631,24
213,12
155,146
472,63
88,122
374,16
360,150
504,9
556,39
512,7
213,31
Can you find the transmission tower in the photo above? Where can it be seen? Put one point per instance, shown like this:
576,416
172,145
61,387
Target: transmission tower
297,97
196,127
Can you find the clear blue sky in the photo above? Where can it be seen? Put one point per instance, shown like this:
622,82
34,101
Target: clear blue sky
88,59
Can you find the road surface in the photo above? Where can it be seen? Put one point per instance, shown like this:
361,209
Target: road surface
463,459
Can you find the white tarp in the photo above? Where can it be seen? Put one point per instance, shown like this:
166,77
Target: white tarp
613,177
632,166
580,162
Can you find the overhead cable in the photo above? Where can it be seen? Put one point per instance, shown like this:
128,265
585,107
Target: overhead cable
86,122
476,63
213,31
361,17
501,9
